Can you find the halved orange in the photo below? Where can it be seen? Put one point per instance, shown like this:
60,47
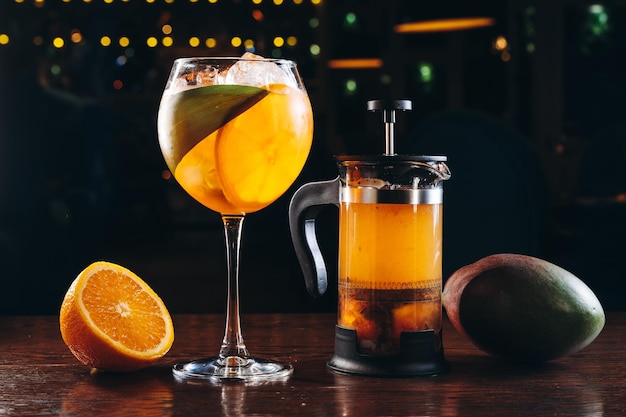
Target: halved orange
112,320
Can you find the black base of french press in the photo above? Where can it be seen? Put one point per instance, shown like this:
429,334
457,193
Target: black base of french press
421,354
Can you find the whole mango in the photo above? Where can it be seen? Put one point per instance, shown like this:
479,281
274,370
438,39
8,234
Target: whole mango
522,308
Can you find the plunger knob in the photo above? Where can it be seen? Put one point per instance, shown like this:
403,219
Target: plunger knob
388,108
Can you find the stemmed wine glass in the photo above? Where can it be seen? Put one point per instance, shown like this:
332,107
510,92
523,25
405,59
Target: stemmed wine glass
235,133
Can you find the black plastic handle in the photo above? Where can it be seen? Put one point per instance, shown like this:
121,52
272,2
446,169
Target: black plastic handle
305,204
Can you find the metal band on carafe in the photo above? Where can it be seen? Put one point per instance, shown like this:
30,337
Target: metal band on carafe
368,195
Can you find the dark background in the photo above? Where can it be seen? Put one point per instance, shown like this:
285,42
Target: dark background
533,130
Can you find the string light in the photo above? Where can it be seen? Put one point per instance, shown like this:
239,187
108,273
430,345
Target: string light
279,41
315,49
58,42
274,46
257,15
351,87
500,44
426,72
248,44
350,19
76,37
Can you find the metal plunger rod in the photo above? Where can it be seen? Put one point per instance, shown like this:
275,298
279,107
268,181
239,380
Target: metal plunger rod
388,108
389,118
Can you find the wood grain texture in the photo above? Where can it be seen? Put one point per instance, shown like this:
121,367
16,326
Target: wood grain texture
40,377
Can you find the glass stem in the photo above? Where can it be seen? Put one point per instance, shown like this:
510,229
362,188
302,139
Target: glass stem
233,344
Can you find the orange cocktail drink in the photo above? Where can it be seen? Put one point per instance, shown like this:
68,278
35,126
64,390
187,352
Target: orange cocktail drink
246,163
389,272
235,133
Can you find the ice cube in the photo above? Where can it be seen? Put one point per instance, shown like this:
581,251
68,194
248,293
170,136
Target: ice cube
187,81
259,73
208,76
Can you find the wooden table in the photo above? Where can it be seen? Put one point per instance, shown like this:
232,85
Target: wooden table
39,376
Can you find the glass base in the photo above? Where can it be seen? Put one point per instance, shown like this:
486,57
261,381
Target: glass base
233,368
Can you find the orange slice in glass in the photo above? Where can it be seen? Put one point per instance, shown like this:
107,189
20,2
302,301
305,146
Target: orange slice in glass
112,320
261,152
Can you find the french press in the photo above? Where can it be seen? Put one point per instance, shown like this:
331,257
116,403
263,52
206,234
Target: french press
389,319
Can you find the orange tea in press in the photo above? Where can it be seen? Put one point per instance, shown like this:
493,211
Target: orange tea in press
389,272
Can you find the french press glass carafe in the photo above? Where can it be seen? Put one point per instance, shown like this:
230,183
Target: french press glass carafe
390,256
